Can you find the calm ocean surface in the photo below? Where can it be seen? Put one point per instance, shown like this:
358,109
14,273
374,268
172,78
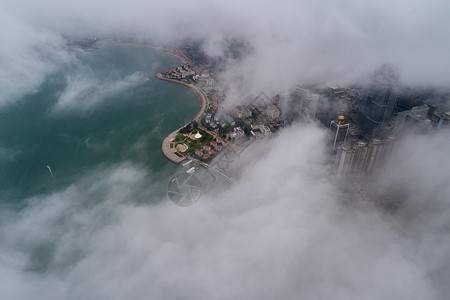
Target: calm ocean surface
111,109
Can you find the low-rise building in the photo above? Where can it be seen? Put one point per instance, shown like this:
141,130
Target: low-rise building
199,153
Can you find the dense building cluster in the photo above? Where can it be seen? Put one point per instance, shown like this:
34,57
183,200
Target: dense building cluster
377,118
362,157
180,72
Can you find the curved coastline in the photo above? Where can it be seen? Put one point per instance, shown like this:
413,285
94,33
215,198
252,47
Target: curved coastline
180,55
168,152
201,97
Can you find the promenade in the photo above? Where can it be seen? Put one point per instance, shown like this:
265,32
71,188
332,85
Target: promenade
168,152
200,95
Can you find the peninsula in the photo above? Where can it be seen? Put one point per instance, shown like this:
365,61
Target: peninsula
214,127
171,152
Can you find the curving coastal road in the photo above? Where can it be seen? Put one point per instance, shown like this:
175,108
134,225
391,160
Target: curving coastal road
168,152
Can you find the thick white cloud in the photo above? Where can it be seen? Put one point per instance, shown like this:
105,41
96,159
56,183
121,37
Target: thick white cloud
282,231
293,42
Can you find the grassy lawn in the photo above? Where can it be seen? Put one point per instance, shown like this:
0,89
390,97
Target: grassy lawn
191,143
179,137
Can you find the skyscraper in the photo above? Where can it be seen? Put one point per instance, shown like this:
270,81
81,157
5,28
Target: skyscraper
344,160
363,157
303,103
375,111
338,132
413,120
360,158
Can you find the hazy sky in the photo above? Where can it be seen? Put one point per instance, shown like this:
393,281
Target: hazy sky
285,230
293,41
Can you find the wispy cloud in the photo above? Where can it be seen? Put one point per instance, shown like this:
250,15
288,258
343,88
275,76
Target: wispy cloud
85,91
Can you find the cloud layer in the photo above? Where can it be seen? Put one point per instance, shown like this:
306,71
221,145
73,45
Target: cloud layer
296,42
283,231
286,229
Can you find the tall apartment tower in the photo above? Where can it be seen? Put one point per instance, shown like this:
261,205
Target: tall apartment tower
303,103
344,160
338,132
376,155
360,158
363,158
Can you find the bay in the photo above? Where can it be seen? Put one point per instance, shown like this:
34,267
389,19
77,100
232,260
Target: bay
122,117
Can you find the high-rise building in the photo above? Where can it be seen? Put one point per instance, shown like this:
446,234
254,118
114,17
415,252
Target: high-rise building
344,160
389,146
375,111
376,153
303,103
414,120
338,132
360,158
363,158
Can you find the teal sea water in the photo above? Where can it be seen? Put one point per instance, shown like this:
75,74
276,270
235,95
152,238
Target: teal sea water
105,109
